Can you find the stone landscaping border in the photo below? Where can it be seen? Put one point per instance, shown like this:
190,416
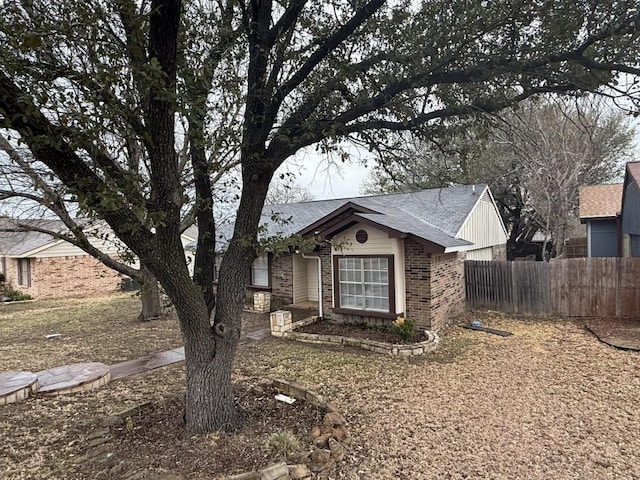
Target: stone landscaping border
324,455
329,440
282,326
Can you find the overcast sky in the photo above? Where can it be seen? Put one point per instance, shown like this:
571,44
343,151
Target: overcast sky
327,176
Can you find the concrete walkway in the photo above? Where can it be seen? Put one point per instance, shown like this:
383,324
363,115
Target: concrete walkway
16,386
168,357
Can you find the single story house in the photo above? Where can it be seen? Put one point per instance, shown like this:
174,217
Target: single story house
630,214
383,256
44,267
599,209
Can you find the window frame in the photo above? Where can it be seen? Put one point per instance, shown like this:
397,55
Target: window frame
250,279
391,314
252,283
21,279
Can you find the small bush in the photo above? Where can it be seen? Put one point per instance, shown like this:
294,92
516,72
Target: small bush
404,327
13,294
282,444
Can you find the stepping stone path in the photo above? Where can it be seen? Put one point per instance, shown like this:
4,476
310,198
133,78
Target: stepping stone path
84,377
17,386
77,377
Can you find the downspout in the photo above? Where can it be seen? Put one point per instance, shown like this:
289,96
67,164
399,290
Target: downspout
304,255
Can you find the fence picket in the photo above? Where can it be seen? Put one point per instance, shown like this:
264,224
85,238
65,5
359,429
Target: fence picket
575,287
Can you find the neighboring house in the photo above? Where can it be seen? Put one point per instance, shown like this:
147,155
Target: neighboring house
630,224
383,256
599,209
45,267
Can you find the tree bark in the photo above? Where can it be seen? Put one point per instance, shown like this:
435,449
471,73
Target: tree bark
149,295
209,350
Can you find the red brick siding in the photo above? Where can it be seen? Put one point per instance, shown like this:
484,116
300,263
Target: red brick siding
447,288
60,277
417,277
282,278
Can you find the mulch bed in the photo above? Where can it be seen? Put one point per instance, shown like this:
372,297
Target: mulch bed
157,442
618,332
356,331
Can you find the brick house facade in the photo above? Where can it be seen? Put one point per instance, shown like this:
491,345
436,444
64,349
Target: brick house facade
434,287
61,277
388,255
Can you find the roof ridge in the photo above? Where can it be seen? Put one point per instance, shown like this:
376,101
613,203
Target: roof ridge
377,195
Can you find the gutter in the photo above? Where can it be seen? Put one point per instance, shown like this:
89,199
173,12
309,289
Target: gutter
304,255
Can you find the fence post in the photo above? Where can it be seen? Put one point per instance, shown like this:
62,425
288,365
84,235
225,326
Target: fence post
514,289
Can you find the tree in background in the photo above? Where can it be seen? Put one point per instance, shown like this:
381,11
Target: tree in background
86,85
287,190
534,157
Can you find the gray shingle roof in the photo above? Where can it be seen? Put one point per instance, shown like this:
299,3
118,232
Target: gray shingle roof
15,244
435,215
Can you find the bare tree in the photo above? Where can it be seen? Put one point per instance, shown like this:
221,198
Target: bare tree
287,192
534,157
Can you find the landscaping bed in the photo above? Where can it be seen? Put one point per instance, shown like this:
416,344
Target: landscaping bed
363,331
157,432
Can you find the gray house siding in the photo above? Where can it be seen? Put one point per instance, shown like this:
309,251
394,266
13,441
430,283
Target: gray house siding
634,244
603,239
631,210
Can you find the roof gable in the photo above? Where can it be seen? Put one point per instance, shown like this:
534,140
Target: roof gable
434,215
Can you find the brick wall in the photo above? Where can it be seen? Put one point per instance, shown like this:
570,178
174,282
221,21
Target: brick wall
59,277
282,278
447,288
417,273
324,252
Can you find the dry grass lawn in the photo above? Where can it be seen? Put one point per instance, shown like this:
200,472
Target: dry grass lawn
549,402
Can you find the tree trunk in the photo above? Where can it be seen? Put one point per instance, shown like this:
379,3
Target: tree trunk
209,353
150,296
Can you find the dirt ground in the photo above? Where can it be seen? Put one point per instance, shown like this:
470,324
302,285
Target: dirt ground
551,401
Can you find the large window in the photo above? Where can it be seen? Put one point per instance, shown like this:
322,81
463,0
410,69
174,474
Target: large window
260,271
363,283
24,272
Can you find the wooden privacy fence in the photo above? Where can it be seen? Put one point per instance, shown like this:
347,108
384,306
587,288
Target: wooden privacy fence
574,287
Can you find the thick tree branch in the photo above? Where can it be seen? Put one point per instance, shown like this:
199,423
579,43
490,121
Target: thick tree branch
48,145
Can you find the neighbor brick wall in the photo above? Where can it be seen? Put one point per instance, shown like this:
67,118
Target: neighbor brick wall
447,288
282,278
417,277
60,277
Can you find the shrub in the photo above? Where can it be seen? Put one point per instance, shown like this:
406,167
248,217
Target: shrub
13,294
282,444
7,290
404,327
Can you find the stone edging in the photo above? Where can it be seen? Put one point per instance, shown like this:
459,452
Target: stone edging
286,329
329,440
328,450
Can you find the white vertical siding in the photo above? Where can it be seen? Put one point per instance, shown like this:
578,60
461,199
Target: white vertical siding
483,227
312,280
378,243
480,254
300,287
